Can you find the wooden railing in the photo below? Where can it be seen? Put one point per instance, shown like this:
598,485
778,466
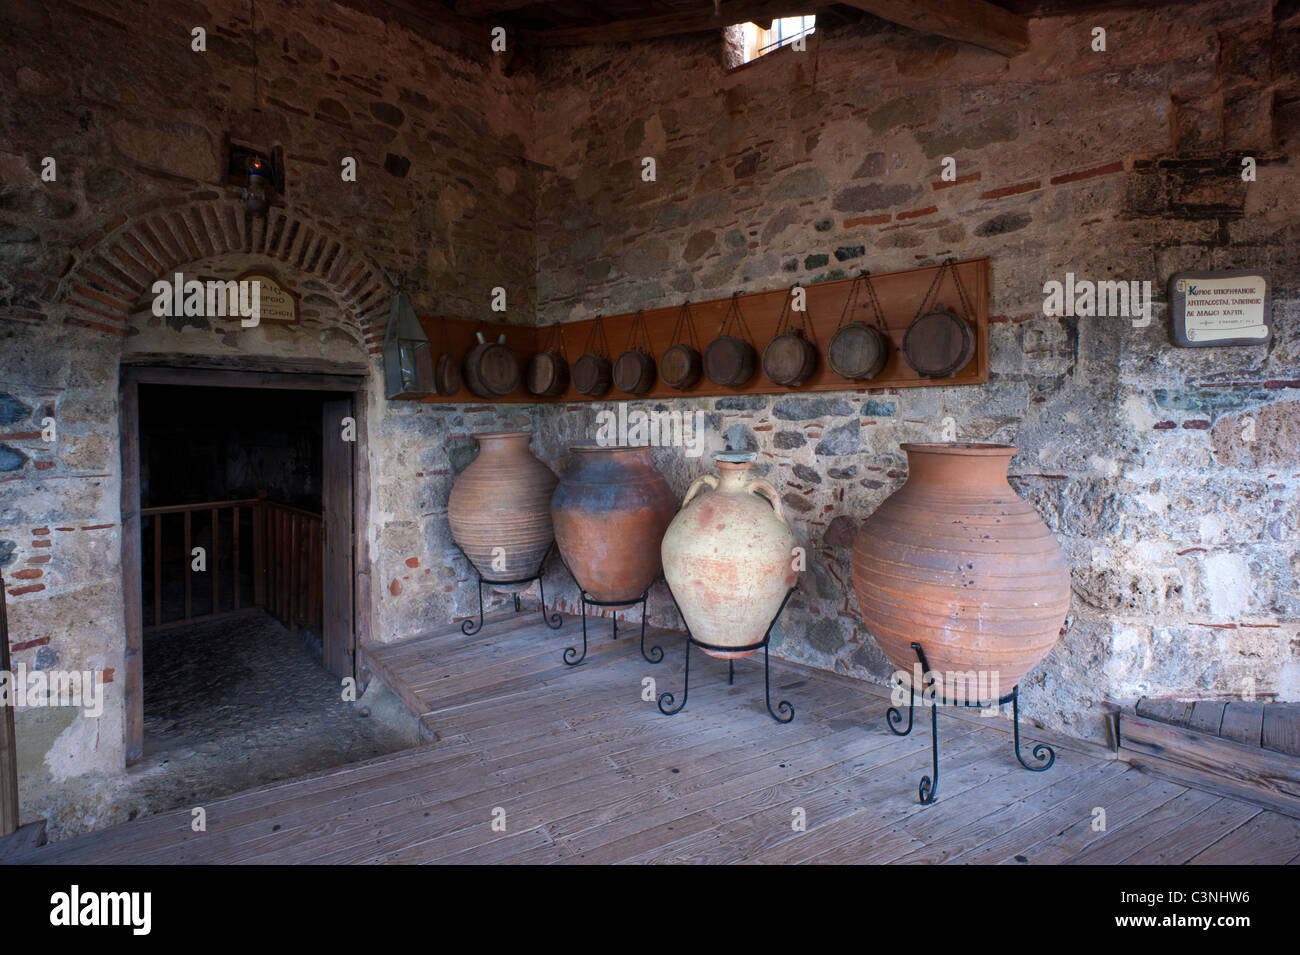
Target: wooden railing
294,560
286,551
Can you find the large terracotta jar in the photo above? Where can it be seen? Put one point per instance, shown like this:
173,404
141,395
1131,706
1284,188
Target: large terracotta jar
500,508
729,557
610,512
957,562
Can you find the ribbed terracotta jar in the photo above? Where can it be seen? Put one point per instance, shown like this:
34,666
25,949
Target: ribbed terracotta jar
728,556
503,500
610,511
955,561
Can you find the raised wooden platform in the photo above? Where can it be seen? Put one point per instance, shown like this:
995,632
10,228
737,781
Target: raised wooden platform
1255,723
586,771
1246,750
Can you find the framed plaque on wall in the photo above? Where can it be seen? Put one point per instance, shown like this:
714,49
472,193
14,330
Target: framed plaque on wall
1225,307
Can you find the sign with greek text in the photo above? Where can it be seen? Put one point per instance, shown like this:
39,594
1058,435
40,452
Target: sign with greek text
1227,307
279,304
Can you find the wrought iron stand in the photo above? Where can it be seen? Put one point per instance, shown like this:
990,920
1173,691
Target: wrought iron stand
783,713
571,655
552,620
929,786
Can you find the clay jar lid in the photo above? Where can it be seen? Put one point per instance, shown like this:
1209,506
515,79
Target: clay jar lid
735,457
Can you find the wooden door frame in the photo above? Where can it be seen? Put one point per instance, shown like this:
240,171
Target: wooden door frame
350,380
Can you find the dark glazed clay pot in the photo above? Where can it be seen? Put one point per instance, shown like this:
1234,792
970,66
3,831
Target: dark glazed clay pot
500,508
955,561
610,512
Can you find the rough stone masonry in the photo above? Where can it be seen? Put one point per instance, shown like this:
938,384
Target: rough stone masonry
802,166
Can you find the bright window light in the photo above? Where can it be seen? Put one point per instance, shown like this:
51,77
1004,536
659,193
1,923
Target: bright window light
781,32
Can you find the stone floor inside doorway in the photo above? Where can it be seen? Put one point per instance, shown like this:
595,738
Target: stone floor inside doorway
232,704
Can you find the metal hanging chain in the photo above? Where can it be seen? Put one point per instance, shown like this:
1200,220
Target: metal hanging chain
684,315
785,317
863,281
961,291
554,341
639,322
948,264
734,309
597,329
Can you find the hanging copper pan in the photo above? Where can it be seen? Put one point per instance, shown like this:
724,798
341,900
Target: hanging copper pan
634,370
547,374
492,368
858,350
790,358
446,372
730,360
681,365
592,372
938,343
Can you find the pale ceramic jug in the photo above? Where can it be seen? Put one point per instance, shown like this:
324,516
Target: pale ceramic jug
729,558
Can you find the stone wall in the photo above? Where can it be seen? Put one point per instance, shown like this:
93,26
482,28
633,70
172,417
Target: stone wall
135,120
799,167
803,167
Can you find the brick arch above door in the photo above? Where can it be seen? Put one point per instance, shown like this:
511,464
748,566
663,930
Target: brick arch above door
117,265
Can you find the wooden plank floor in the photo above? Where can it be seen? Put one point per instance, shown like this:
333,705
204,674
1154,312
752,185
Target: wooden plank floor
585,770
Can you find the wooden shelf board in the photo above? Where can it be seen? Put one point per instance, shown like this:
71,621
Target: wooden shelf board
900,295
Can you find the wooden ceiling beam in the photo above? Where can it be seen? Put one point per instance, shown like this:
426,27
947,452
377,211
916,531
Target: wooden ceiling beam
672,24
489,8
976,22
435,23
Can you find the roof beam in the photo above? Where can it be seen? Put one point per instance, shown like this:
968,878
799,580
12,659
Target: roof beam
673,24
487,8
437,24
971,21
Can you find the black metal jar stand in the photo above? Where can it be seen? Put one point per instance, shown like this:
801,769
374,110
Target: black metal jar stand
783,713
929,786
552,620
571,655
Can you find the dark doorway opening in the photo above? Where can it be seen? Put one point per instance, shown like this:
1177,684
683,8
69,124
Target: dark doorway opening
230,505
242,508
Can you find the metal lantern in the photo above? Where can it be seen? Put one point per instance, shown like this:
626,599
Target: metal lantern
408,361
255,197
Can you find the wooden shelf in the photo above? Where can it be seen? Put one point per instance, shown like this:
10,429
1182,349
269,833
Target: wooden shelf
900,295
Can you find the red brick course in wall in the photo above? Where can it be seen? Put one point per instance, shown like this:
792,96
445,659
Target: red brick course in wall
1002,192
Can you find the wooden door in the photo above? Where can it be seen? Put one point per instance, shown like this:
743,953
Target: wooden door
339,433
132,581
8,741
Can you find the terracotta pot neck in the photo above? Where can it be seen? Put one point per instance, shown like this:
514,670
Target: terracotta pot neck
959,468
733,470
497,442
733,475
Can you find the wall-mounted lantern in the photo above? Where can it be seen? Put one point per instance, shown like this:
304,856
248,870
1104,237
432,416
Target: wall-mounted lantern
408,360
255,197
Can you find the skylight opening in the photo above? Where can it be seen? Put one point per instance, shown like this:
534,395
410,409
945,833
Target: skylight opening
757,40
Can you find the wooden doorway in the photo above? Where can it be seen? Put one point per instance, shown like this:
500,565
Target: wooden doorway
345,495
